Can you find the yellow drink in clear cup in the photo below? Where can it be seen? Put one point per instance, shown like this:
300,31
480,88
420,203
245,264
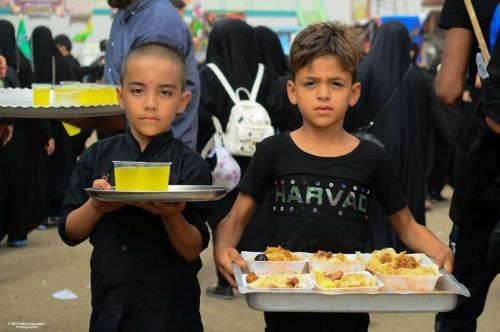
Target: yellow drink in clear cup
141,176
41,94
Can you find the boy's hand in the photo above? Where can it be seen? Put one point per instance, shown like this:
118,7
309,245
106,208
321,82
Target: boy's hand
104,207
165,210
50,146
445,258
224,257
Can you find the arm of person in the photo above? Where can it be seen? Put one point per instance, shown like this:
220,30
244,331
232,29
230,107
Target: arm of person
451,75
3,67
6,131
82,221
228,234
420,239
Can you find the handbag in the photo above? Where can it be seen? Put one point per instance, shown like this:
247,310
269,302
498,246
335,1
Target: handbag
227,171
365,131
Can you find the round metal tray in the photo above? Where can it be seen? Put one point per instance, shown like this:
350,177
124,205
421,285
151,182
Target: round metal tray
175,193
60,112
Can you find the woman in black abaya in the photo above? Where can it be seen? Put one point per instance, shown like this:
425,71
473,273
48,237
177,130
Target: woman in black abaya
284,115
232,47
271,52
23,210
47,59
404,126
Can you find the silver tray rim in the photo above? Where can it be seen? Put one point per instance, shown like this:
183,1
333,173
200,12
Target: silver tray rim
59,112
175,193
380,301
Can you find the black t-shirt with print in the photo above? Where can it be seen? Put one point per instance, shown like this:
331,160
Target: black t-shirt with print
321,203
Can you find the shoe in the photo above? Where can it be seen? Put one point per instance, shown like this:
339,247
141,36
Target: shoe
41,227
428,205
51,221
435,196
17,243
222,292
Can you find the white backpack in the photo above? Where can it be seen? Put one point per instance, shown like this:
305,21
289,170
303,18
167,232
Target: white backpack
249,122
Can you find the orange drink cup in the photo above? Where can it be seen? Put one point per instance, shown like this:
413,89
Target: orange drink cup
41,94
141,176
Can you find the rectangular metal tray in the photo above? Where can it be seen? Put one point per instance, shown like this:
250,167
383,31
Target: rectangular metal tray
443,299
175,193
60,112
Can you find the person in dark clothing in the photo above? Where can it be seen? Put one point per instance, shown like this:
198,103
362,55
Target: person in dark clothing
271,52
475,202
64,46
404,125
32,139
284,115
146,255
321,157
232,47
6,131
48,60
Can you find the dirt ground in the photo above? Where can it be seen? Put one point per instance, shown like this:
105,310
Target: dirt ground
30,275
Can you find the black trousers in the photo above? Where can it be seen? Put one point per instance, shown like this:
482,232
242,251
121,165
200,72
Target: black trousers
477,262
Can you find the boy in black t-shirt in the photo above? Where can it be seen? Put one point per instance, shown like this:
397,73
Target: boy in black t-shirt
146,255
321,178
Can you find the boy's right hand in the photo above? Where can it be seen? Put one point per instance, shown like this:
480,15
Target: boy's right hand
104,207
224,257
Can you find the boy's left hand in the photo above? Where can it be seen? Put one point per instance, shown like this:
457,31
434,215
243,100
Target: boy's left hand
161,209
445,258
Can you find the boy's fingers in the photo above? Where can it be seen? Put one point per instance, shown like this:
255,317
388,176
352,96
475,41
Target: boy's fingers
229,277
102,184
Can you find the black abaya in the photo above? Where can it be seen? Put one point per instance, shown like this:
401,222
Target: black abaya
61,163
404,127
232,47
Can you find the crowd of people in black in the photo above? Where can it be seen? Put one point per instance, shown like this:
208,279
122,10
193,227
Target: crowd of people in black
394,106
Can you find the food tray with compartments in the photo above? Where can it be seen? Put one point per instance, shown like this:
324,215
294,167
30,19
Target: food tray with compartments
175,193
443,298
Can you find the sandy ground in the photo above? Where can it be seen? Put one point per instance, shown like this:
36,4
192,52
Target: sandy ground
29,276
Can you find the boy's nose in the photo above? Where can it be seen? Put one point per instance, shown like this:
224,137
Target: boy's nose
150,101
323,93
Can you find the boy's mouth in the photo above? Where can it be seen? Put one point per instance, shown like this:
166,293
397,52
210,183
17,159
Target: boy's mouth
149,118
323,109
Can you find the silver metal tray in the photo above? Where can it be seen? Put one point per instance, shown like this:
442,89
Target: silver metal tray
60,112
443,299
175,193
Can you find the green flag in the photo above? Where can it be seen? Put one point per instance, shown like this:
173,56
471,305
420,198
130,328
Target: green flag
83,35
22,39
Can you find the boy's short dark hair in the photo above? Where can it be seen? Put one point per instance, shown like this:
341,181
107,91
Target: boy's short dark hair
64,41
158,49
330,38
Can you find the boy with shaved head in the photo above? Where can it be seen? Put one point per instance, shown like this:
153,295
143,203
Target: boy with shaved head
146,256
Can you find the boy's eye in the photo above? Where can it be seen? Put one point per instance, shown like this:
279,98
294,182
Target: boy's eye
308,83
136,91
338,84
165,93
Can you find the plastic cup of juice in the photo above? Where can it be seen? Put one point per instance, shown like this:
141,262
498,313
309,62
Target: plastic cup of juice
65,96
41,94
141,176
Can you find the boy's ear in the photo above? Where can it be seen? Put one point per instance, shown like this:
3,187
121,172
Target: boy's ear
355,93
119,93
292,91
185,98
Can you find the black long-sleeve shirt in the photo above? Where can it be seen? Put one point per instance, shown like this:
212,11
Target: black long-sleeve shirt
138,281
